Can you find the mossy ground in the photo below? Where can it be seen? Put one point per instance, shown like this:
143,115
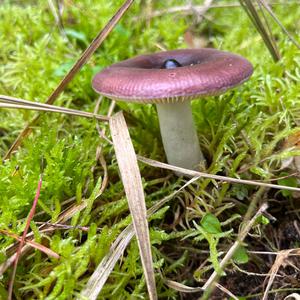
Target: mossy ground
241,133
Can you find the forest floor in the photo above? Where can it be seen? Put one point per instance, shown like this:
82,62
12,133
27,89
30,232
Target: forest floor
251,132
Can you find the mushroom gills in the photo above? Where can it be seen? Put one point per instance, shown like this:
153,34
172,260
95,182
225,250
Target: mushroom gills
179,135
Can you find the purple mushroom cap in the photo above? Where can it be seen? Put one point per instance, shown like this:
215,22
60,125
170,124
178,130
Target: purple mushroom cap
202,72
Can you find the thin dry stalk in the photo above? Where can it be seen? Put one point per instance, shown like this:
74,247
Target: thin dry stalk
74,70
132,181
177,286
33,244
293,296
63,218
192,173
226,291
22,242
63,226
102,131
56,12
102,272
192,9
187,289
281,257
17,103
209,285
272,14
261,27
189,9
253,274
99,155
100,275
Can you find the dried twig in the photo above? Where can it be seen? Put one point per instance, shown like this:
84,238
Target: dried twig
187,289
191,9
188,172
280,259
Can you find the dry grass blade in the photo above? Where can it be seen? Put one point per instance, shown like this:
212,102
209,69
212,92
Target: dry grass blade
33,244
261,27
90,50
16,103
193,173
187,289
184,9
57,16
99,277
53,110
272,14
182,287
280,259
293,296
133,186
22,242
8,263
226,291
74,70
64,217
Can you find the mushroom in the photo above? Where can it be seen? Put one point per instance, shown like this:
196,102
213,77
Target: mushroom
170,79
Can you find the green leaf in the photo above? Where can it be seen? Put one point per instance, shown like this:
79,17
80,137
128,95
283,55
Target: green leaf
262,220
211,224
240,256
240,191
3,293
77,35
260,172
290,181
159,214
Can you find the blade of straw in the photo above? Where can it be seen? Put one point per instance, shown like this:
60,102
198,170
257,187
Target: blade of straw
283,28
261,28
16,103
102,272
74,70
132,181
158,164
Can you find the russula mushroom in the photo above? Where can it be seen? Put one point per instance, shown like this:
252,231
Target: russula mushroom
170,79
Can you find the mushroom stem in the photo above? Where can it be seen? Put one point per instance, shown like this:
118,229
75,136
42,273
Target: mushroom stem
179,135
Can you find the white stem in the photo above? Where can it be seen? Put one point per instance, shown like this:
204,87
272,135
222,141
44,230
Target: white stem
179,135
